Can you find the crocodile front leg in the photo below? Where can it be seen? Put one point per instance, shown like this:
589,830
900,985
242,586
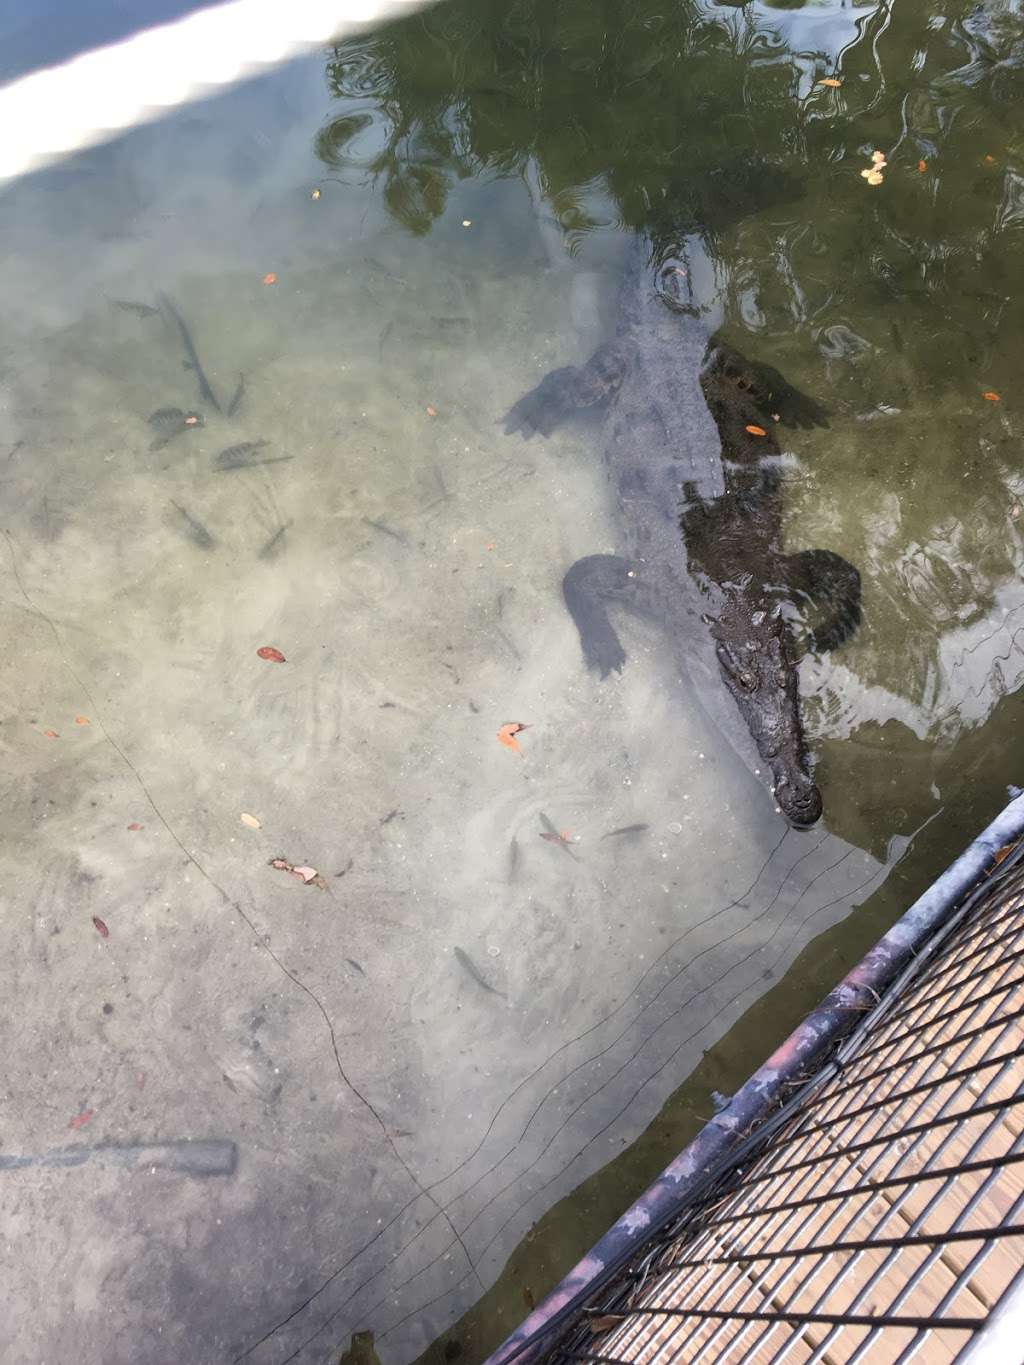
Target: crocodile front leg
762,385
588,587
567,391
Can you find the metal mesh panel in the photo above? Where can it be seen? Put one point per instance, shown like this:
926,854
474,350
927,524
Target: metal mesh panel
883,1220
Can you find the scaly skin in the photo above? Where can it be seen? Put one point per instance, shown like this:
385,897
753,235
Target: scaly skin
700,496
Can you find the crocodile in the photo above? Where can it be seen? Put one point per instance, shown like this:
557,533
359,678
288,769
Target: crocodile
689,436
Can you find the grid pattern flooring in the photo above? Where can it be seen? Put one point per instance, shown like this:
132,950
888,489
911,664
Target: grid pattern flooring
885,1219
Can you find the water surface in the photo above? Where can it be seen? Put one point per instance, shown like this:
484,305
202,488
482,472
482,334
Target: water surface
444,208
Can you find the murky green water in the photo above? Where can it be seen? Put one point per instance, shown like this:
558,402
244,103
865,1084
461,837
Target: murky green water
443,208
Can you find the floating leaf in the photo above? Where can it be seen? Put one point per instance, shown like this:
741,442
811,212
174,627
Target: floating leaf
922,166
270,278
507,735
308,875
755,431
101,928
81,720
269,652
830,81
431,412
80,1120
315,194
133,826
51,734
249,820
991,396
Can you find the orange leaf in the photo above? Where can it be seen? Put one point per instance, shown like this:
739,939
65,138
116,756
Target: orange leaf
81,720
831,81
507,735
991,396
431,412
269,652
991,160
756,431
134,825
51,734
270,278
922,166
80,1120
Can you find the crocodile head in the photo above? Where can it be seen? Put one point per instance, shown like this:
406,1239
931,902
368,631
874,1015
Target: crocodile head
756,659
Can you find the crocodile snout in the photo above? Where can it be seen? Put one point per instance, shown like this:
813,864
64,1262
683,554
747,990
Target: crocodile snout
799,799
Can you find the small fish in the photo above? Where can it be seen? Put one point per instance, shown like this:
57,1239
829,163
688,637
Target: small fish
513,859
355,965
196,531
626,829
383,270
450,322
235,456
189,1156
165,419
555,836
384,530
171,422
273,545
470,966
253,464
236,397
205,390
141,310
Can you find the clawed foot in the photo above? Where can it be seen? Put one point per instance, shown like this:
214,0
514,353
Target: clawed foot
603,654
793,408
545,407
776,399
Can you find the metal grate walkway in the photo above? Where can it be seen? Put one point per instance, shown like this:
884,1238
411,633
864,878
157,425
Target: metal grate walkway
882,1218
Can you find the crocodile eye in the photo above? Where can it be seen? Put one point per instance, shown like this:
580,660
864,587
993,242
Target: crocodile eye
743,677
